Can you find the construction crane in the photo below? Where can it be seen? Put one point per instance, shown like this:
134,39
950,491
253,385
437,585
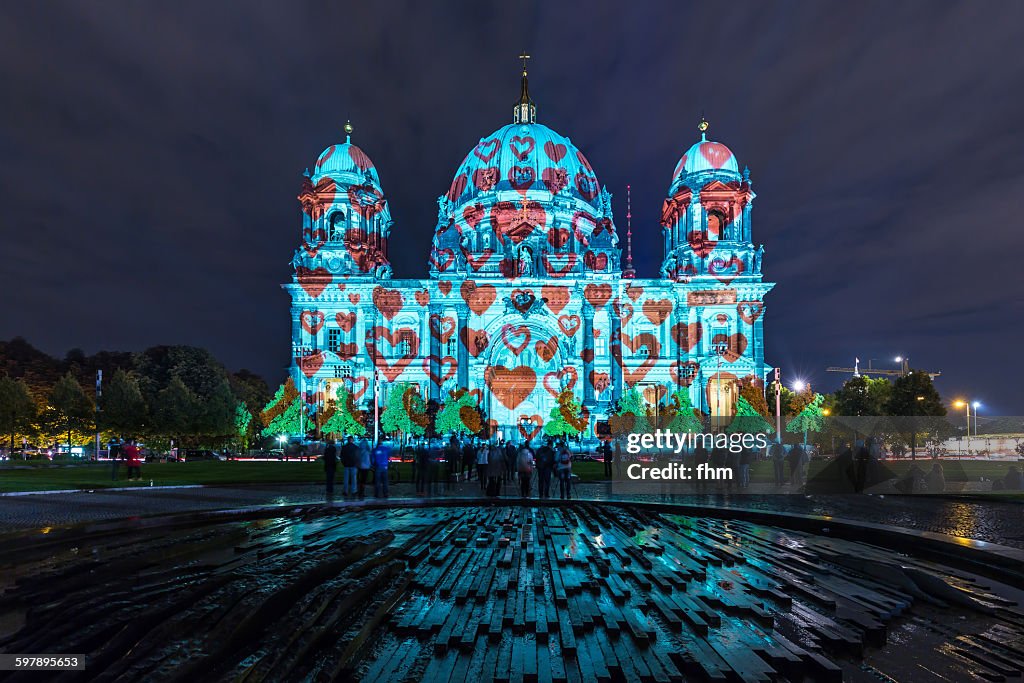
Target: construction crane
903,370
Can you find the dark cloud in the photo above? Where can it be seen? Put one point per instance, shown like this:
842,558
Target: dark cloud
151,156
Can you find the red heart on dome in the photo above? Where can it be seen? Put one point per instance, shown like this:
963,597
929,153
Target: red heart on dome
346,321
586,185
521,177
388,301
423,297
473,214
328,153
750,311
441,328
567,264
359,158
716,154
485,178
569,324
478,297
457,188
521,147
597,295
486,149
583,160
555,179
679,167
555,152
312,321
557,297
314,281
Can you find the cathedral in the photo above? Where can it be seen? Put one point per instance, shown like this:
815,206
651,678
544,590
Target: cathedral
528,291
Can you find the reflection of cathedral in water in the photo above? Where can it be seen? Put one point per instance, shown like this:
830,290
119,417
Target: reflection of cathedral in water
528,293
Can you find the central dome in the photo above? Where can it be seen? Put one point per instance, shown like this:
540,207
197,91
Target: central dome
524,158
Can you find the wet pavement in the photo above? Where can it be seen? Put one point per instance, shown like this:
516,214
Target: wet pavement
990,521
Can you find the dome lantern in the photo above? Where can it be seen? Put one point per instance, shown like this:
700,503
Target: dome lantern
525,110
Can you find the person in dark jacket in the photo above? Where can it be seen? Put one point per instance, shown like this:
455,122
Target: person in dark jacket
778,457
330,467
422,464
381,460
606,451
511,457
350,461
746,460
545,468
495,469
468,459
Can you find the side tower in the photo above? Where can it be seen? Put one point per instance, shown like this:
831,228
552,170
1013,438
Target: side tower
341,260
710,253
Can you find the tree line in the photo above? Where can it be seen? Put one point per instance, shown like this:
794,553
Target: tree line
163,394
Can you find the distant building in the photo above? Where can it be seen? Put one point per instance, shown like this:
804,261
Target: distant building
527,291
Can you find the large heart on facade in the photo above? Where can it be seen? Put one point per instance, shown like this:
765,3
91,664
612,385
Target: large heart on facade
566,264
346,321
478,262
634,375
597,295
510,386
715,153
311,364
730,346
750,311
657,310
475,341
388,301
442,259
562,380
312,321
486,149
423,297
446,368
546,350
313,281
569,324
687,336
600,381
441,328
445,287
555,297
521,178
478,297
356,386
555,152
523,299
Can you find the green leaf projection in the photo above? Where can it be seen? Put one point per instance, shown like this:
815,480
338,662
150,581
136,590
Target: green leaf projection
283,415
747,420
404,411
810,419
684,418
458,415
346,420
567,418
630,416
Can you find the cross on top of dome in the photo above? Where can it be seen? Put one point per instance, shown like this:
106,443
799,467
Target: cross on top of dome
525,110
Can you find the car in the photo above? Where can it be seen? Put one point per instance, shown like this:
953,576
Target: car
198,454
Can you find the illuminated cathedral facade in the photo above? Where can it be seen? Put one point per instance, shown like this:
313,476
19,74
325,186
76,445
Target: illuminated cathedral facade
528,292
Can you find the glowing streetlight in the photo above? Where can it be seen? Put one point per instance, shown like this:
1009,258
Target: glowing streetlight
799,385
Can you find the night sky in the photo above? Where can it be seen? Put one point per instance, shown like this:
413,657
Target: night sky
151,153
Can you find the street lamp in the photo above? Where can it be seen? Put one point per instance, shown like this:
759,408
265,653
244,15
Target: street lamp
976,405
964,404
904,364
799,385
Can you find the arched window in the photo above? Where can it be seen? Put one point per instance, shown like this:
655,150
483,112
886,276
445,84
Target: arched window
716,225
336,230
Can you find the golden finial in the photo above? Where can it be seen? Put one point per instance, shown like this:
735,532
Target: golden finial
703,125
348,131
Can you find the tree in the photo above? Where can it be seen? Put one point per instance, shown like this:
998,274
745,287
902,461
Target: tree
175,412
684,417
73,408
458,415
243,424
752,389
862,396
283,413
747,420
404,411
123,410
346,419
913,400
567,417
17,409
810,419
630,415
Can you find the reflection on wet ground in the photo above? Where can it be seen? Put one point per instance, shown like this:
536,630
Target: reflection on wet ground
480,593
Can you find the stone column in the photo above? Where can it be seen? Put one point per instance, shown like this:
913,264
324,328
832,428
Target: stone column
434,364
615,346
462,376
588,354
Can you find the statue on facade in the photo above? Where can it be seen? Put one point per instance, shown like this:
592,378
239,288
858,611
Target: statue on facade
670,266
758,255
525,262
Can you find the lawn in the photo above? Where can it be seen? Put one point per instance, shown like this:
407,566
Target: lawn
96,476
